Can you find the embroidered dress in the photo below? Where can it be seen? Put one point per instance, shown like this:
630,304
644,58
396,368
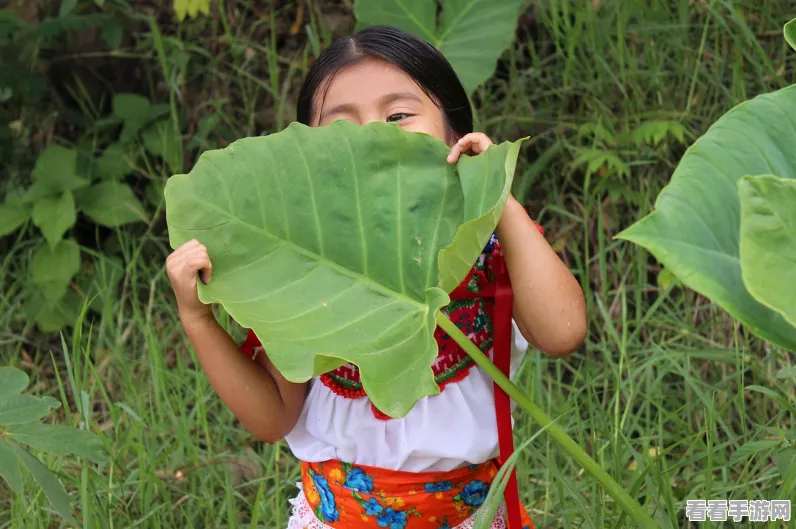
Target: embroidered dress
447,433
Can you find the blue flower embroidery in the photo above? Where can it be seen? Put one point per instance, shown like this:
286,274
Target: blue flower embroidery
475,493
372,507
392,519
358,481
328,506
439,486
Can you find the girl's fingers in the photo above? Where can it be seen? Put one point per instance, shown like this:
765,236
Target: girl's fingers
474,143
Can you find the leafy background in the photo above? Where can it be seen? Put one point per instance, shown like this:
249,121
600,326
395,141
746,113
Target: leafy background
102,100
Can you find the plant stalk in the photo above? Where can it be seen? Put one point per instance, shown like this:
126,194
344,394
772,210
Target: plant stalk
630,506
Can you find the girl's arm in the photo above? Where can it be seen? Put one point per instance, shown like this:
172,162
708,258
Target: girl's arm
263,400
549,306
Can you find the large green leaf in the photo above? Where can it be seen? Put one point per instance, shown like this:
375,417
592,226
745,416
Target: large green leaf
326,242
695,228
768,241
472,34
55,215
59,440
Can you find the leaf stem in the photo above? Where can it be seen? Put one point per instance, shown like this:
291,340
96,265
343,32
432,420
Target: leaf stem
630,506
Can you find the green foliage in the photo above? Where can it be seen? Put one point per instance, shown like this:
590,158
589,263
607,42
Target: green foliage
68,182
471,34
191,8
695,230
790,33
19,414
768,241
335,242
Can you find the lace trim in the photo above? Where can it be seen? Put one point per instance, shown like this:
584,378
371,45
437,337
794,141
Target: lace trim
302,516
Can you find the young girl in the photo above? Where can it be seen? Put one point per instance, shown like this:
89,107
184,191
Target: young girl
361,469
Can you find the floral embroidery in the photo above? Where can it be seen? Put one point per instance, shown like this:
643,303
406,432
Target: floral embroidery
474,494
472,315
392,519
327,508
440,486
358,481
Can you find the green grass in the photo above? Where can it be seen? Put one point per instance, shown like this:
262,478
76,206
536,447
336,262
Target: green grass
660,394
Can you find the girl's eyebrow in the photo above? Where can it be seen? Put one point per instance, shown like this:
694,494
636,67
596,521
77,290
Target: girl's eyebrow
397,96
339,109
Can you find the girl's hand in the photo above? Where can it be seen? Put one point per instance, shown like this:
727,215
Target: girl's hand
473,143
183,266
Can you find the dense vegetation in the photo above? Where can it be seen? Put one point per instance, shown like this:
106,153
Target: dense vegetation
103,100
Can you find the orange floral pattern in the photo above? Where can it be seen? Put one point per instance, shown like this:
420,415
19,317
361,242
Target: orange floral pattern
345,496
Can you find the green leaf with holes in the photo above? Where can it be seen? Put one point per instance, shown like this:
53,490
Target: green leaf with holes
340,244
696,228
471,34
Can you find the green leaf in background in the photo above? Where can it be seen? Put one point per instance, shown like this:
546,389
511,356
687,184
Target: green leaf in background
112,33
59,440
131,107
48,482
191,8
790,33
326,242
52,316
13,214
54,173
12,381
67,6
53,268
111,204
160,139
22,409
99,281
9,467
54,216
472,34
785,460
695,228
113,163
768,241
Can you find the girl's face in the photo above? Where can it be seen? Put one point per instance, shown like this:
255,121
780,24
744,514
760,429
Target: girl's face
375,90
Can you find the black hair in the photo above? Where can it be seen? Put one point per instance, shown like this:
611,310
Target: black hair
417,58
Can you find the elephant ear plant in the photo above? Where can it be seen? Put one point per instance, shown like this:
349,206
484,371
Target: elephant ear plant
341,244
726,223
726,226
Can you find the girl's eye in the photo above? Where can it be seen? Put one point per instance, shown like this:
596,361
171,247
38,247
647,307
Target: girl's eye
397,117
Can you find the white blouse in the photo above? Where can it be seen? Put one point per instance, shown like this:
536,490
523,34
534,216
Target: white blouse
441,433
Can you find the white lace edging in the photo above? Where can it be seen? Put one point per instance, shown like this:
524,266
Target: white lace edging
302,516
